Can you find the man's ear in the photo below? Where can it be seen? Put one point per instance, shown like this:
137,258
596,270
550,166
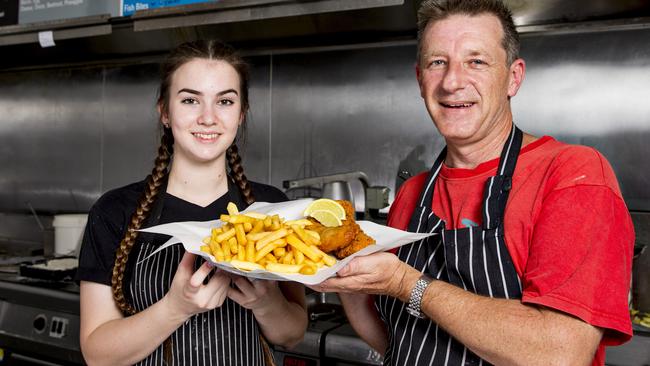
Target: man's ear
516,75
418,76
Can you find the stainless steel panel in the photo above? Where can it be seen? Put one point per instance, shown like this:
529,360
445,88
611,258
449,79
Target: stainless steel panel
50,129
65,139
256,144
349,110
130,127
593,89
559,11
266,11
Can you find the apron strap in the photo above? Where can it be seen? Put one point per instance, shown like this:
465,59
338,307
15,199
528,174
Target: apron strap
423,209
157,208
497,188
235,195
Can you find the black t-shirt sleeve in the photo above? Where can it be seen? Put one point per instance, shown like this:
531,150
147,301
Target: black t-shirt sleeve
105,230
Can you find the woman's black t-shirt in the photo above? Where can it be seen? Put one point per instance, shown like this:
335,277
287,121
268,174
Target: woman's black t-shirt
110,216
223,336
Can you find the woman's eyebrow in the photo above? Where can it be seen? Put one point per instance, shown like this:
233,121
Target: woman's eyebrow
227,91
192,91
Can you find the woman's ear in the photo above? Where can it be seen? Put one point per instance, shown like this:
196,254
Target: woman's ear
164,118
242,117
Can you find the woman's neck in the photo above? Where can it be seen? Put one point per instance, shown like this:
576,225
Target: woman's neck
198,184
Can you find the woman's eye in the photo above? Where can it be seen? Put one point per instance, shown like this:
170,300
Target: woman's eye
189,101
226,102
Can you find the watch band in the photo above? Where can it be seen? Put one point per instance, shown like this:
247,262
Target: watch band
415,300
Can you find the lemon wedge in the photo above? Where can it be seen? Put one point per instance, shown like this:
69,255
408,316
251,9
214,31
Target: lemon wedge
326,217
325,204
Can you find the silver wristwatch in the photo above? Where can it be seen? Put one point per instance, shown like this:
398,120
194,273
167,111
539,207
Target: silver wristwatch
415,301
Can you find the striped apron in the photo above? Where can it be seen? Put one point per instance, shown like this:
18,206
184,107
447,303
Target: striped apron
474,259
227,335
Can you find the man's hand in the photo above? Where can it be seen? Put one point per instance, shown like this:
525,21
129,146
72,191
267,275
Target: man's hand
378,274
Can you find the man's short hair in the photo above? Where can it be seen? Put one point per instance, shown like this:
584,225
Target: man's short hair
431,11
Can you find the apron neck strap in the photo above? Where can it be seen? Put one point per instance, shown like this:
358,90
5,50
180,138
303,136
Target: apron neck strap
497,188
235,195
507,164
156,209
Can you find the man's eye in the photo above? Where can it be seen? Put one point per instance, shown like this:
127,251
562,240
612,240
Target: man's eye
437,63
478,62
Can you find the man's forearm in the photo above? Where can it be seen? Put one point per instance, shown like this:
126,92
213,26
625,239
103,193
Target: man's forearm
507,332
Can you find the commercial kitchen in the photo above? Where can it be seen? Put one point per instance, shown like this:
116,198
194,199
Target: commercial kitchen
335,112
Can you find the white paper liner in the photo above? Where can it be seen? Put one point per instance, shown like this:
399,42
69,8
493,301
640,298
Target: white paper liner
191,234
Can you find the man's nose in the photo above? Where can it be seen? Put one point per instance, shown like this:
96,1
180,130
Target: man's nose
454,78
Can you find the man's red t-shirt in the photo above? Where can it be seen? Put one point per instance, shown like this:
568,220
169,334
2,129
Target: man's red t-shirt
567,229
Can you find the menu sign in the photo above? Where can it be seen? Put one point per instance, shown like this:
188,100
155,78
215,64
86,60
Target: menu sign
8,12
31,11
131,6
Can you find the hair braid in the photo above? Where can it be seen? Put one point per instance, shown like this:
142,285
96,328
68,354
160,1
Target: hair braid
237,173
151,191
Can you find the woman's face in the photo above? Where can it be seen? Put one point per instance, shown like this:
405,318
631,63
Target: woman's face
204,111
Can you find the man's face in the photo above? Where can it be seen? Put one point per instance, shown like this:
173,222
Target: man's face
464,77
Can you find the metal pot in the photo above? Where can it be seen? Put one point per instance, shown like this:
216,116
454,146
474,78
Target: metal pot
338,190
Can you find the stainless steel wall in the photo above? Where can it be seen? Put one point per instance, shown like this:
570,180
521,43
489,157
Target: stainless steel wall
67,135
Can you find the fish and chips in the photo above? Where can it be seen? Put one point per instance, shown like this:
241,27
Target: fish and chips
254,241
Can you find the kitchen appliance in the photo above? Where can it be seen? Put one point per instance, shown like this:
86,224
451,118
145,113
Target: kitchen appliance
39,302
329,339
337,186
338,190
39,321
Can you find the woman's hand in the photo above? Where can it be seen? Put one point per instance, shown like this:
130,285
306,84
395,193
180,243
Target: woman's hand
279,308
188,295
254,294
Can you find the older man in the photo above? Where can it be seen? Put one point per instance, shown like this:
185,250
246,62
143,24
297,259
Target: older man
531,261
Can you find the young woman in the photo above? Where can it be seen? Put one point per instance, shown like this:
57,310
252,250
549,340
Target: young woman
174,308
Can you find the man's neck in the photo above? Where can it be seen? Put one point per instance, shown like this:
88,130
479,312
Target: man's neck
200,185
470,155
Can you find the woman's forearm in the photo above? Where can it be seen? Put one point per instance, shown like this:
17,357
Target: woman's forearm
126,341
364,320
283,322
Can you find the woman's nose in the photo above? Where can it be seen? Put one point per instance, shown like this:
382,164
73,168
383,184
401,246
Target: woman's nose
208,116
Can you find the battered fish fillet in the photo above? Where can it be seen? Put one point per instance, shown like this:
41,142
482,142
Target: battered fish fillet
345,239
334,238
360,241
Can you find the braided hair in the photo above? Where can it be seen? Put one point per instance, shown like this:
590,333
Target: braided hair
211,50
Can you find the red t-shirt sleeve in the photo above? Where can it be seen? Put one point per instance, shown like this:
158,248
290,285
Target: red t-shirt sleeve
580,257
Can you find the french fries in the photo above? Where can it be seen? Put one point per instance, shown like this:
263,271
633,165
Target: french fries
254,241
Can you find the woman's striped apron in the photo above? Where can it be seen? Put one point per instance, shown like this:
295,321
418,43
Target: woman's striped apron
227,335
